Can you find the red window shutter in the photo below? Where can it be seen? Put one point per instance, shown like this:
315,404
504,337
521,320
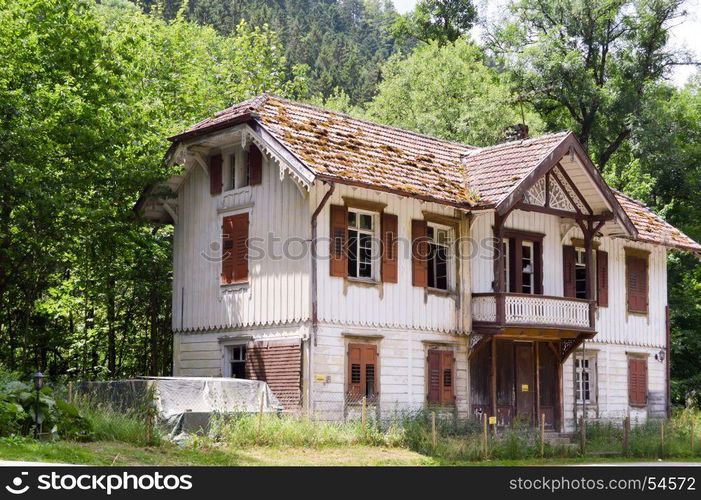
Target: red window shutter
362,371
235,249
339,236
227,269
355,370
602,278
636,283
215,176
569,271
434,376
637,381
255,165
419,253
390,227
447,377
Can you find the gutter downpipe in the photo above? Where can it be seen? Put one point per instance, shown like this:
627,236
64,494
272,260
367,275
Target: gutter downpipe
314,280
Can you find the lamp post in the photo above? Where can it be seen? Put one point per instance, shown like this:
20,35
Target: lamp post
38,379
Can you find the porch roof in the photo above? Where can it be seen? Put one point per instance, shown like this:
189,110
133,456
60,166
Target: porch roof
345,149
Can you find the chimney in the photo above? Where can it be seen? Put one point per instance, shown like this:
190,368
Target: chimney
516,132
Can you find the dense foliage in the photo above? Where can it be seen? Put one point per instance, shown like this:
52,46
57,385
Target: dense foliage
89,91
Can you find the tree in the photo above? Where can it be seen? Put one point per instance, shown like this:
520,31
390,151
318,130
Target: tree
588,65
447,91
441,20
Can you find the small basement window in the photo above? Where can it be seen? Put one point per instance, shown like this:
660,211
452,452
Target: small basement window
237,361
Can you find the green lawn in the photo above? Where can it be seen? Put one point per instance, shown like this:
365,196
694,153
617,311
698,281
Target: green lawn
114,453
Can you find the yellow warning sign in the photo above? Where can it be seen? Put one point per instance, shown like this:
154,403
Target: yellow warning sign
321,378
492,420
524,387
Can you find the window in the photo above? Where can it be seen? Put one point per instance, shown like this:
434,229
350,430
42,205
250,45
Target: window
636,281
438,257
441,376
637,381
362,372
237,361
585,378
523,262
234,249
361,241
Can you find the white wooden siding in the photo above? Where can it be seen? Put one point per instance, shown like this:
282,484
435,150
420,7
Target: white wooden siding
278,289
399,305
613,323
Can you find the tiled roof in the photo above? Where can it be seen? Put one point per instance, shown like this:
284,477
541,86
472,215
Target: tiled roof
652,228
494,171
338,146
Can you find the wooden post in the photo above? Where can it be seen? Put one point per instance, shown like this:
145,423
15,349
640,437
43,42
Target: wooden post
485,449
493,373
70,391
260,416
626,435
433,428
582,436
364,415
661,438
542,435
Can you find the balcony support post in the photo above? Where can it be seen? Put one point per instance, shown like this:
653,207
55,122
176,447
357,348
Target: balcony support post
499,285
589,230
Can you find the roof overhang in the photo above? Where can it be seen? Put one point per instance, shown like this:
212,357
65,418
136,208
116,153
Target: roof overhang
569,145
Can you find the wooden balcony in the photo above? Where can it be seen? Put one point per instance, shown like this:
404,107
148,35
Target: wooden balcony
498,311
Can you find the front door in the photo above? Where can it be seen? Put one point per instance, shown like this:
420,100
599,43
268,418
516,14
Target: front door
525,382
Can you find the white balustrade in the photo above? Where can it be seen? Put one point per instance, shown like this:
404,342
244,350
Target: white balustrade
532,310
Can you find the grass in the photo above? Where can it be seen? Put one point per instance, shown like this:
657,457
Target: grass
119,438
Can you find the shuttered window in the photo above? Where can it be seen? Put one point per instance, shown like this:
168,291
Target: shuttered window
389,228
637,381
441,377
235,249
255,165
569,279
636,283
419,253
523,262
279,363
215,174
362,372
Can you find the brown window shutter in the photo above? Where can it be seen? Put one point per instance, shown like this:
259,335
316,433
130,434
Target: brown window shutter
538,266
514,284
419,253
370,369
227,268
390,228
241,248
602,278
279,363
447,377
215,175
636,283
339,236
255,165
434,376
355,369
569,272
637,381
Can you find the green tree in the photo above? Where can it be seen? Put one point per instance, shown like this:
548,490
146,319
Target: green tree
447,91
441,20
588,65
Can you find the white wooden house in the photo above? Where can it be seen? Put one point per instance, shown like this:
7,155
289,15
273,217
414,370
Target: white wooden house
337,259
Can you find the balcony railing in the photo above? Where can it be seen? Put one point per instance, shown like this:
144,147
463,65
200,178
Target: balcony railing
532,310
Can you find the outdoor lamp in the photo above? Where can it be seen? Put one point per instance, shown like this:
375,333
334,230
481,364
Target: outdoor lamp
660,355
38,379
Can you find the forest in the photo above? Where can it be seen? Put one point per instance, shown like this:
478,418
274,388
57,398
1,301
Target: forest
90,90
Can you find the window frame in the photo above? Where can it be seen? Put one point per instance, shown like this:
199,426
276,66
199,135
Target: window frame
449,259
643,256
228,349
592,379
349,395
638,358
374,242
441,352
536,242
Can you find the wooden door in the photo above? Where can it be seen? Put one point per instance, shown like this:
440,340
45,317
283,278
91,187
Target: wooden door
525,382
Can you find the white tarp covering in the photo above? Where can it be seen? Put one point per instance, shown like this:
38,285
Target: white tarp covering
185,404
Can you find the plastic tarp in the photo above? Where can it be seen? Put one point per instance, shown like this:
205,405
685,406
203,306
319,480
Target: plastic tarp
186,404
